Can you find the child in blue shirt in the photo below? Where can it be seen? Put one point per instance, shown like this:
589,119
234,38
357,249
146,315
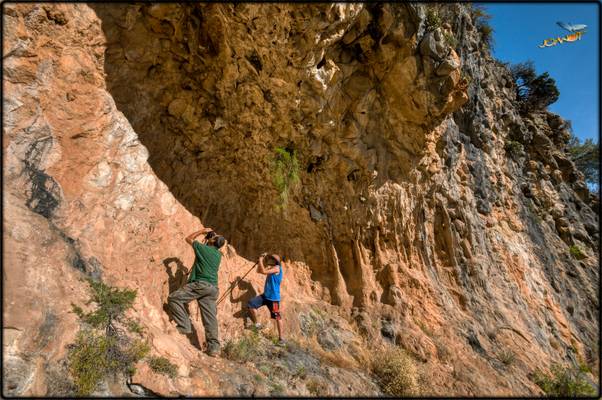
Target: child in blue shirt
271,292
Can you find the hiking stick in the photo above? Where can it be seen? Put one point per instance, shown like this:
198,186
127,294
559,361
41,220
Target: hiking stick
235,283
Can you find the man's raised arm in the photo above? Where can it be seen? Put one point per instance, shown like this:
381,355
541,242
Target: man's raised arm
190,238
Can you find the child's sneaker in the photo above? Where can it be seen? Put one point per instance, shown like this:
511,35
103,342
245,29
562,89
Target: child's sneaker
255,327
281,343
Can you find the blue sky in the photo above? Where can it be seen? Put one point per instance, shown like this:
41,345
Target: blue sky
518,31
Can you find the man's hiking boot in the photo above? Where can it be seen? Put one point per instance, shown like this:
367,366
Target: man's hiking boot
213,352
183,331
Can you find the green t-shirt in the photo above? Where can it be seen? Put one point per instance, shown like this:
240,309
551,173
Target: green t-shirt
206,263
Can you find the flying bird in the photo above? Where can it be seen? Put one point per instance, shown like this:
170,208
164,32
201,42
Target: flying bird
571,27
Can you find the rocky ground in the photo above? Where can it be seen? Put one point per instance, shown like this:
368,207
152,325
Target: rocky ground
384,156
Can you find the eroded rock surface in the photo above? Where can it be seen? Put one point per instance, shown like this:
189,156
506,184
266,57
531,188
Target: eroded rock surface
424,210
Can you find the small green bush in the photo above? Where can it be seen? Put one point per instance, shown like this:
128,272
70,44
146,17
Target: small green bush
285,172
95,356
277,389
506,357
244,349
300,372
316,387
564,382
576,252
396,372
479,12
443,352
111,305
533,92
103,348
486,32
433,20
513,147
586,156
134,327
481,18
87,361
162,365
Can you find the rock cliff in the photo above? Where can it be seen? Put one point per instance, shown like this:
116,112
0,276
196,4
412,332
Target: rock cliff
382,155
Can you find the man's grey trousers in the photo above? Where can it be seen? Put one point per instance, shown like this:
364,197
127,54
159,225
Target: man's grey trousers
206,295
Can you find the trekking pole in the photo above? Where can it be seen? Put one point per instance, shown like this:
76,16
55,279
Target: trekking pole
235,283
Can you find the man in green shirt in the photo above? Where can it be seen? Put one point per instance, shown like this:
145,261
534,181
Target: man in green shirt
202,286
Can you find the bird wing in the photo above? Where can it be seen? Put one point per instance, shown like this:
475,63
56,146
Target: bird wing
566,26
579,27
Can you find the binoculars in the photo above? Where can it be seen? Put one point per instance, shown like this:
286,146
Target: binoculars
210,235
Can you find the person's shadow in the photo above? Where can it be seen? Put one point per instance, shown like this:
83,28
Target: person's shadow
177,280
246,293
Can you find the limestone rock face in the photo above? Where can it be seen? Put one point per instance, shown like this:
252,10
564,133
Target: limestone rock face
415,204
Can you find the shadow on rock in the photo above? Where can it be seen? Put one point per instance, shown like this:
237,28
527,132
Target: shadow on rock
246,292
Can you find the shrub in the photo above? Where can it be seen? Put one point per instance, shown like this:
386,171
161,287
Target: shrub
443,352
162,365
479,12
276,389
586,157
285,172
486,32
395,372
134,327
533,92
103,348
543,91
432,21
481,19
112,303
564,382
506,357
513,147
87,361
244,349
576,252
316,387
94,356
300,372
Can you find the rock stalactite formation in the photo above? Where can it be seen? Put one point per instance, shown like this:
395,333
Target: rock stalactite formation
386,161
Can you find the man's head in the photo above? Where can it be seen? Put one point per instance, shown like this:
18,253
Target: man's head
215,240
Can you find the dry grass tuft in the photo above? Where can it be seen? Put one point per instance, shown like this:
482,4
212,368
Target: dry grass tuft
396,372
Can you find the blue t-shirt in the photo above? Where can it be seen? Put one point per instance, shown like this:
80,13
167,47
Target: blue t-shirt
271,290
